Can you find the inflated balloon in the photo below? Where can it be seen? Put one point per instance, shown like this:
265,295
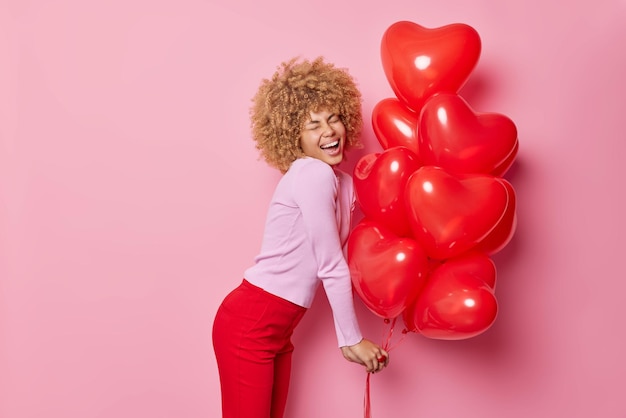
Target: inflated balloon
420,62
379,183
501,169
473,263
395,124
408,315
454,137
458,300
448,214
387,271
503,232
436,206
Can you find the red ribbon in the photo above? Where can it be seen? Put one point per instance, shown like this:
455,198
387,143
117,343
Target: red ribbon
387,346
367,406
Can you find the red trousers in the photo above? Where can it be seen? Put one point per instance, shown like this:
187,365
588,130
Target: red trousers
252,342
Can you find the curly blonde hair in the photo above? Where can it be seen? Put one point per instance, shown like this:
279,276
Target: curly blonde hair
282,104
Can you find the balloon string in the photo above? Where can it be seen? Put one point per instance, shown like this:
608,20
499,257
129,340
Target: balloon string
387,336
367,406
387,346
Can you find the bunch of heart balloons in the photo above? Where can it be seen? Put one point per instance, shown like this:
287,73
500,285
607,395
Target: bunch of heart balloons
435,204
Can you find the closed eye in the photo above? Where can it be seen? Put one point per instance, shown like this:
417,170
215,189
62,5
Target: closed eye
313,125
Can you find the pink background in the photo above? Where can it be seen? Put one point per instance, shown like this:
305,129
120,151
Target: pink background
132,199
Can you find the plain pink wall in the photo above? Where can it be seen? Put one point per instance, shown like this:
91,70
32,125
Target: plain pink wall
132,199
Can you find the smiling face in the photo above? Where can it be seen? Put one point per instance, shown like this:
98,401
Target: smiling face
323,137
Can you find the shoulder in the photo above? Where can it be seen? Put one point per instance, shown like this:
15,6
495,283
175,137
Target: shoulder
311,170
343,176
310,164
346,185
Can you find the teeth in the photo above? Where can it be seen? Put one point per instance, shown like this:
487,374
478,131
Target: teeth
331,145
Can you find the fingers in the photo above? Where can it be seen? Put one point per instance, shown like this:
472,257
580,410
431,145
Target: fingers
370,355
380,361
375,366
379,365
384,357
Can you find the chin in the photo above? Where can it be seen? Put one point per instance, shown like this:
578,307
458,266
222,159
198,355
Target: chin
335,160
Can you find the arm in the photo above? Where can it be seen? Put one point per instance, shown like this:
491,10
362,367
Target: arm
316,194
315,191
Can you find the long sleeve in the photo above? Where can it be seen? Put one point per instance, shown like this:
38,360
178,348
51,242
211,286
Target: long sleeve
307,225
318,195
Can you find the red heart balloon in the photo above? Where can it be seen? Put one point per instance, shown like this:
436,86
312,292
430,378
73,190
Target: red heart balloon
448,214
395,124
419,62
503,232
379,183
387,271
504,166
454,137
457,301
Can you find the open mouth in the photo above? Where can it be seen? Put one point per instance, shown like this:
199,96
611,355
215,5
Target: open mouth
330,145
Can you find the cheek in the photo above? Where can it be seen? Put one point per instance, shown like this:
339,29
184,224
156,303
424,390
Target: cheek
342,128
344,133
306,142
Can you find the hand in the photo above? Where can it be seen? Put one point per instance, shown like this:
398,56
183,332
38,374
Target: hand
367,353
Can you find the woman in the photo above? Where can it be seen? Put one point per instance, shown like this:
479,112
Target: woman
303,119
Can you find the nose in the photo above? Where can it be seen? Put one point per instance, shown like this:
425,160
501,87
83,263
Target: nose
327,129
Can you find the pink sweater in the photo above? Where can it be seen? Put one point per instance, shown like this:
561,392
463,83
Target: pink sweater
304,243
